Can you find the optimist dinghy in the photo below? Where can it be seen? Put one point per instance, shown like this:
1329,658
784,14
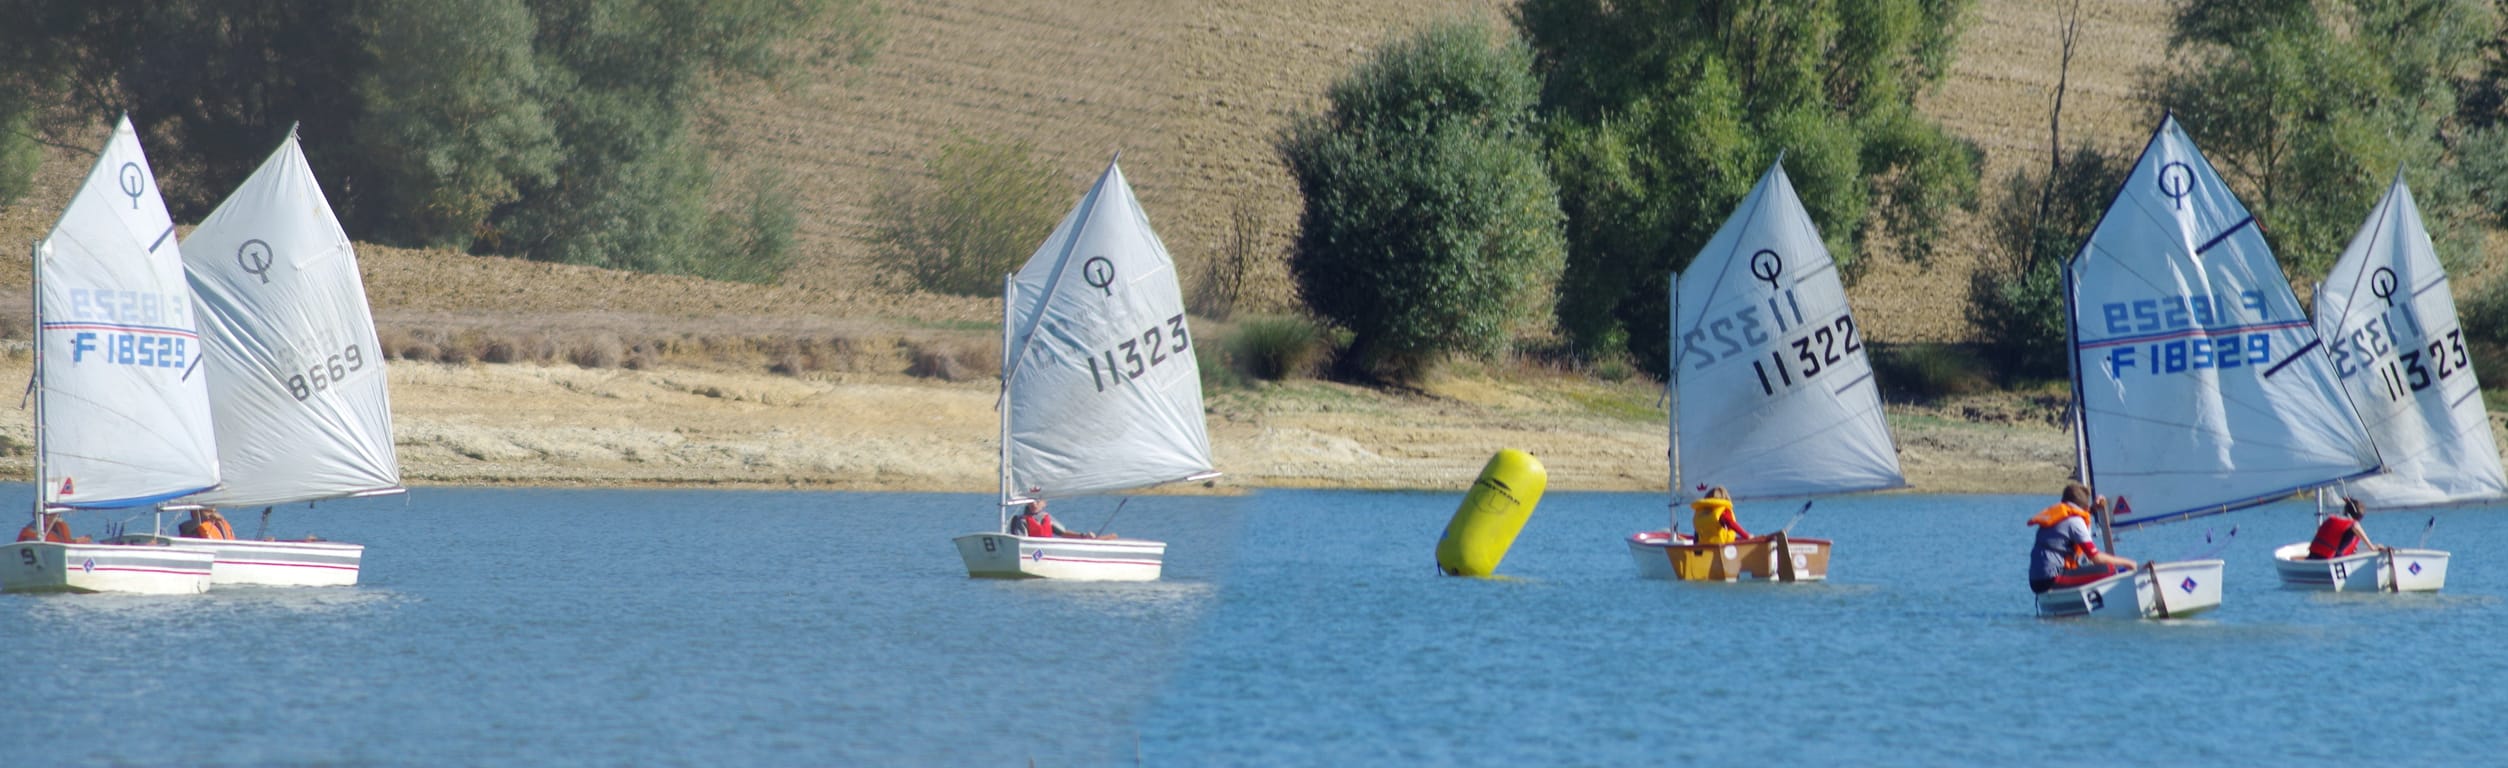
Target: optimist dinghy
2390,325
1100,390
1771,393
121,405
296,381
2199,385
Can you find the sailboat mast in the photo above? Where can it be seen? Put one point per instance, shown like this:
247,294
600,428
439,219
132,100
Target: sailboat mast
1672,396
1009,298
2081,416
36,292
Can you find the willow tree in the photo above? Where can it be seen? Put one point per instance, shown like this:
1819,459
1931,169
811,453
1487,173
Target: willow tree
1664,111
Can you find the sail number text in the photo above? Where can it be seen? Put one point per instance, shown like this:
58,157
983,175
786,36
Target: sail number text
2228,350
2177,313
1735,333
322,374
1820,349
2391,345
2200,348
128,307
140,328
146,350
1140,353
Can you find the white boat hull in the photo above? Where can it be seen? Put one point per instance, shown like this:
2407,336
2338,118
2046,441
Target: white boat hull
2172,590
1009,556
35,566
2406,570
243,562
1652,552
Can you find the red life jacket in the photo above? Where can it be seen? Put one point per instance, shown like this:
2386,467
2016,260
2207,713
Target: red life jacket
1039,525
2335,538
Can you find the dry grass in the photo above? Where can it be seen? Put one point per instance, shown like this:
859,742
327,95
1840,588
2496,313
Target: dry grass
1192,93
954,359
796,347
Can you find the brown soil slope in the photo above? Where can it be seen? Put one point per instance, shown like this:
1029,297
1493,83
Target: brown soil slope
1192,94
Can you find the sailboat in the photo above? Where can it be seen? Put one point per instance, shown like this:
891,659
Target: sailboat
296,380
2199,385
1100,391
1771,393
2390,326
121,402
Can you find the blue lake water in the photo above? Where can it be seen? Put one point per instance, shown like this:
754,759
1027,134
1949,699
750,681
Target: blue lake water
588,627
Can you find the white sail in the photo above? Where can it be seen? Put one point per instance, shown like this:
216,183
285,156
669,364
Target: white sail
295,373
122,400
1102,392
2203,386
2389,324
1774,396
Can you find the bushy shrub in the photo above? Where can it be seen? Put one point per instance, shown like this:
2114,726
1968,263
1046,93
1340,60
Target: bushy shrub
2016,296
1430,224
954,361
500,350
981,211
18,152
1276,347
600,350
1218,370
1928,371
1222,285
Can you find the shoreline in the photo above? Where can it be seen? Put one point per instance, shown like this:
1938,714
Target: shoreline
533,425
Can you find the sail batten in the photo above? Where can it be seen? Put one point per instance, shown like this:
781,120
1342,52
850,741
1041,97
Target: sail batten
1774,393
2200,385
2399,350
122,409
297,381
1103,393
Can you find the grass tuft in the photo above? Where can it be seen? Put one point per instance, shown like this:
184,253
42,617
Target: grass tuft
1926,372
1277,347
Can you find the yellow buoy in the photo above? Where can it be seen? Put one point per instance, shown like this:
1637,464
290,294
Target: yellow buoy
1492,513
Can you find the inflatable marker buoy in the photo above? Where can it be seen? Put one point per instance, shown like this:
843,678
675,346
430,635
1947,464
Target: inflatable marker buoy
1492,513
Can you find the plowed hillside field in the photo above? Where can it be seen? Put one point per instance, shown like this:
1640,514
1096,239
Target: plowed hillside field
1192,94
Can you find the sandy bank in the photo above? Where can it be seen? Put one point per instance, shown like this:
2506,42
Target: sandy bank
562,425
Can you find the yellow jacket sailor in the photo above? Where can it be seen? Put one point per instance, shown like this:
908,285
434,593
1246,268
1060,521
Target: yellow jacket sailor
1712,517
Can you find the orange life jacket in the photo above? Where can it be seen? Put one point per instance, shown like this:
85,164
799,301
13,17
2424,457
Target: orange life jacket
2053,516
216,528
2331,539
60,532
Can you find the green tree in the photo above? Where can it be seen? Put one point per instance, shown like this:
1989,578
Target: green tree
453,129
2482,111
1430,224
210,86
2309,108
1663,112
551,129
623,81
